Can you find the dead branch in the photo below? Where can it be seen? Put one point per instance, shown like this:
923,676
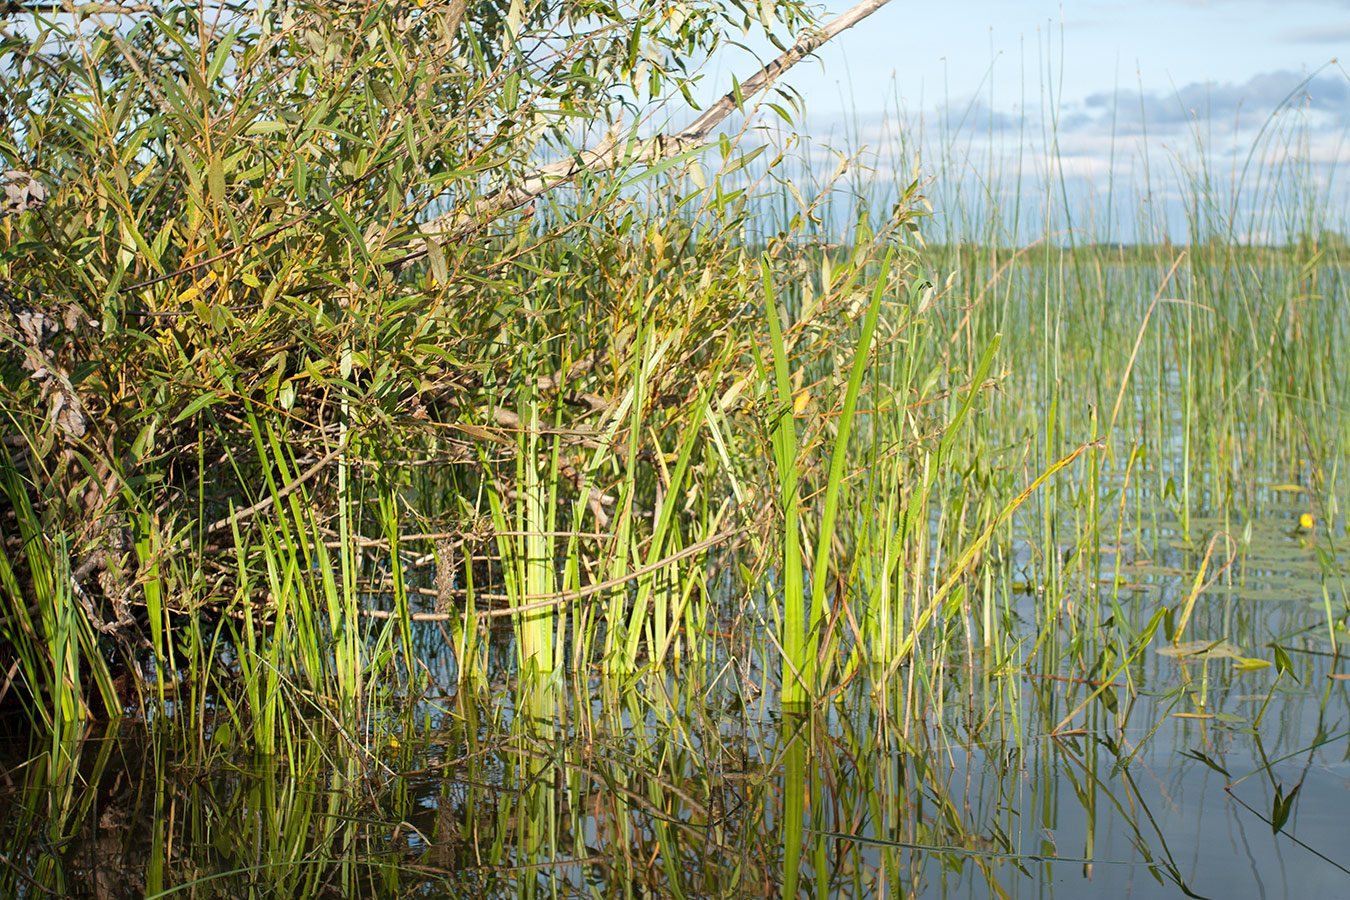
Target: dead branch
611,153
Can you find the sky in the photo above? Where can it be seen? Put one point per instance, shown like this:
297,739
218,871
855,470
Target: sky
1145,96
949,48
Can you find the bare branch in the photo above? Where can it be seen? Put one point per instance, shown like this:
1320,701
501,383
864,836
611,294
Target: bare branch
22,192
80,10
611,153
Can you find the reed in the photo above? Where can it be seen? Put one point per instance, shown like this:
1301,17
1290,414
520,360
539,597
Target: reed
684,419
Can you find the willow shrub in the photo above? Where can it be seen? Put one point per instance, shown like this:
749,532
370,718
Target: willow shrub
268,352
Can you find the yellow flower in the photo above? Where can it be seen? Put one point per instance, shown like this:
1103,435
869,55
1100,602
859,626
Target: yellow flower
1305,521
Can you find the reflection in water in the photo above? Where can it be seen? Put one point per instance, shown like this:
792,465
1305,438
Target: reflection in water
1082,758
681,790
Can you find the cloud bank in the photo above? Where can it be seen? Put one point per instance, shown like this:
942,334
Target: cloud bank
1257,157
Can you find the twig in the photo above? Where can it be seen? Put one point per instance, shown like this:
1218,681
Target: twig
543,601
261,505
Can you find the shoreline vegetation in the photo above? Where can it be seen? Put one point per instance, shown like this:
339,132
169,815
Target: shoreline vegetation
245,419
253,361
1128,252
343,449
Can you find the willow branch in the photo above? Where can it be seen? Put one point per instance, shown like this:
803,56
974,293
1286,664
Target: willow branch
611,153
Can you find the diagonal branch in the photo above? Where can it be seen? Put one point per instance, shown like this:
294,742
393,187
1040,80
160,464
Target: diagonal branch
611,153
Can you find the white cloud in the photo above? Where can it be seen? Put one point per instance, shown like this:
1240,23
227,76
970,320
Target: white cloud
1338,33
1326,96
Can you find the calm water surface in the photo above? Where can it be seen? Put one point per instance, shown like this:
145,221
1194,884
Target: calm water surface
1025,777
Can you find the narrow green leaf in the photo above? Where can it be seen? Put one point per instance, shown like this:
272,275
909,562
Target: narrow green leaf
440,269
797,651
743,160
198,403
1196,754
662,166
839,453
269,126
215,180
221,56
1284,805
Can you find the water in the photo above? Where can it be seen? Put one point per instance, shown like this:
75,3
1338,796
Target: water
1020,777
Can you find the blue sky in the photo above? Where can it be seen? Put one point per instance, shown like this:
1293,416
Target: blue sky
1144,94
947,48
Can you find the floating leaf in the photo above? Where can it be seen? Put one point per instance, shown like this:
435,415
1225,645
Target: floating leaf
1202,650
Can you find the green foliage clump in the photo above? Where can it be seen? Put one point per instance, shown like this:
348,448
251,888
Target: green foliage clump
312,294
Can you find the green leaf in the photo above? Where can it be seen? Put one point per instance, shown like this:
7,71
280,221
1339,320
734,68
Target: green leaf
1196,754
1283,664
662,166
215,180
1201,650
838,453
440,269
383,93
1284,805
221,56
743,160
199,403
269,126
